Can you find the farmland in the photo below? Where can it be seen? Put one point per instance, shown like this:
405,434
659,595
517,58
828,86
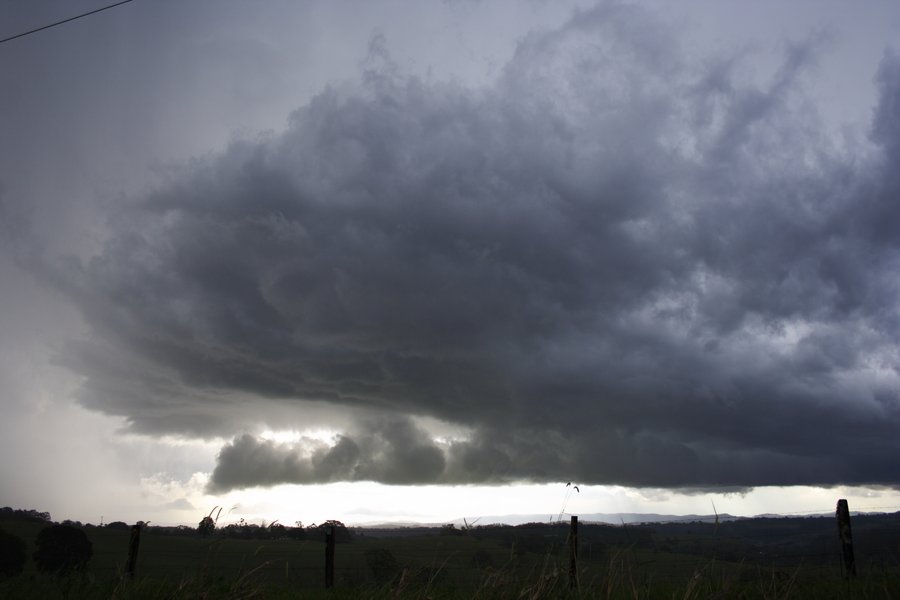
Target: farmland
752,558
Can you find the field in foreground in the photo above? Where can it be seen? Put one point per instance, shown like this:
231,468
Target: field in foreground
759,558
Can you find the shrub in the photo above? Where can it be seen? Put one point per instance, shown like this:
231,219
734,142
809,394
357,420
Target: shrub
12,554
382,564
61,549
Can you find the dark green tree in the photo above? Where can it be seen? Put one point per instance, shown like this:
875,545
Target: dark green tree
62,549
12,554
342,535
206,527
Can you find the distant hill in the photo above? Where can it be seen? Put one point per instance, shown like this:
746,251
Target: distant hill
609,518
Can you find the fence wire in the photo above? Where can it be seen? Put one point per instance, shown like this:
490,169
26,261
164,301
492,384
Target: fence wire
649,554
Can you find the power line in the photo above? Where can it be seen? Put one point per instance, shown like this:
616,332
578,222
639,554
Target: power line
65,21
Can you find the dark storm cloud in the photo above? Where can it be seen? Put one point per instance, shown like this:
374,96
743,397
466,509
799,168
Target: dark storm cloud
610,265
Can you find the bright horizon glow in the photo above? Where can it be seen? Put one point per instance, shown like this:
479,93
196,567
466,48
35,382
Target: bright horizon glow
367,503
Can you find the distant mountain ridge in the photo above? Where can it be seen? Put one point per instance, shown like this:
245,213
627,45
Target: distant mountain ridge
609,518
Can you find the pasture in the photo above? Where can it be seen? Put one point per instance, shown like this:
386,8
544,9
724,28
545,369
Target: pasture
760,558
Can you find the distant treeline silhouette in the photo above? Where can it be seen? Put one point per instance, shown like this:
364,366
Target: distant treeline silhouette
24,514
251,531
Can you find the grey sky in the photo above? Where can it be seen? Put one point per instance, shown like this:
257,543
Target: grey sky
486,243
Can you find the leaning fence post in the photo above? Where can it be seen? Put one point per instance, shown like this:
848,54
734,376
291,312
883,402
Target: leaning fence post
846,536
573,553
133,546
329,556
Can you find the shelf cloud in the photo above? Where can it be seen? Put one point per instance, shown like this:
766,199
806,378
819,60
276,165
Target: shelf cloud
612,264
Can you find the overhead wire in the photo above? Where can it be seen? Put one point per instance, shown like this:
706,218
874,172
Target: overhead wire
70,19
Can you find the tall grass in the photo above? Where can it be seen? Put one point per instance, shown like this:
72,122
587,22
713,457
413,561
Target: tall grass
441,568
621,578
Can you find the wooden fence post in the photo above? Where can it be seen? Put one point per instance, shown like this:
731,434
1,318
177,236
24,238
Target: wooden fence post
573,555
133,546
329,557
846,536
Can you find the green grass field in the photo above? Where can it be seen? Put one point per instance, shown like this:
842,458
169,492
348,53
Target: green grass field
483,563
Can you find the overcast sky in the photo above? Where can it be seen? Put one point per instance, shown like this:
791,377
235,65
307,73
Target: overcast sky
375,260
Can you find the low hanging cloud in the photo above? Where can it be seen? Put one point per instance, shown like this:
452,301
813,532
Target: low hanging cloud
394,452
611,265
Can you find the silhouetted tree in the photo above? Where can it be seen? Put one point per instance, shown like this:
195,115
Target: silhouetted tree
277,531
207,526
341,533
20,514
12,554
61,549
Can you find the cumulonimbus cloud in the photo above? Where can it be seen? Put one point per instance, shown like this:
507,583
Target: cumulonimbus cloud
611,264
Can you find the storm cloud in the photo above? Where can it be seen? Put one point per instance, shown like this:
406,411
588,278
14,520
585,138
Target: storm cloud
612,264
